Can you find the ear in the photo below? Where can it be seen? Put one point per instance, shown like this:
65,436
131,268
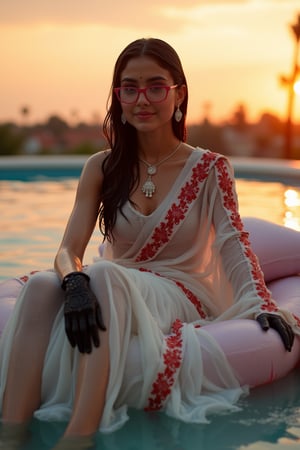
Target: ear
180,94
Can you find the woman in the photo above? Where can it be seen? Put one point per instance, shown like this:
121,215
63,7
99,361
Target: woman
176,258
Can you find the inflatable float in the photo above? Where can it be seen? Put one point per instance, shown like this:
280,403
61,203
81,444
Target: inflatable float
257,357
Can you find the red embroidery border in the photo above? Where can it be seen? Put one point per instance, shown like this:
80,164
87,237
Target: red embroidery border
189,294
25,278
229,202
177,212
172,359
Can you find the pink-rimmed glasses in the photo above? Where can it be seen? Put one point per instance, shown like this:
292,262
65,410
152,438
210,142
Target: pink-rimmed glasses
154,94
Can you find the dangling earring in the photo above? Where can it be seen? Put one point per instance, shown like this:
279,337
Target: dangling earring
123,119
178,114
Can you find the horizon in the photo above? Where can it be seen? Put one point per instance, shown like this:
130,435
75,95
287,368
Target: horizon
58,59
74,122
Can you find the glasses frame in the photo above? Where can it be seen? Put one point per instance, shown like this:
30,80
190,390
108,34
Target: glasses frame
139,91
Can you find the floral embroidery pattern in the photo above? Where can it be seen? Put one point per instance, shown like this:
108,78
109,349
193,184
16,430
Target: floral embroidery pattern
192,298
297,320
172,358
189,294
229,202
178,210
25,278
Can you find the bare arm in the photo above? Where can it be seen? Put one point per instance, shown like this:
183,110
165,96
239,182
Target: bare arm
83,218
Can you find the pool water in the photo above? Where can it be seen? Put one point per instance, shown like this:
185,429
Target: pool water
34,214
32,219
269,419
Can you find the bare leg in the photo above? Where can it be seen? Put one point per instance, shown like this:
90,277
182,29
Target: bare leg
92,380
13,436
33,331
94,368
74,443
22,394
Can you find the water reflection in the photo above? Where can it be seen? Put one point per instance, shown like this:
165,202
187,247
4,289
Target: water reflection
76,443
285,443
34,214
272,201
14,436
267,419
292,203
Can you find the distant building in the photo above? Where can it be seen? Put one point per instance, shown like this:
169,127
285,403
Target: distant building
70,140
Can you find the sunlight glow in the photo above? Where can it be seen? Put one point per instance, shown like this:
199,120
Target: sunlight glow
297,87
291,198
64,63
292,203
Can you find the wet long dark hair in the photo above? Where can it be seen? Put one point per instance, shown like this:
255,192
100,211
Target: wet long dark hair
121,168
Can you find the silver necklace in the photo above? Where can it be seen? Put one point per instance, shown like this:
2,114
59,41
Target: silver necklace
149,187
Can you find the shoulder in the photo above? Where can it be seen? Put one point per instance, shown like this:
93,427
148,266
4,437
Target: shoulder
210,162
96,160
92,175
207,152
93,165
206,155
208,159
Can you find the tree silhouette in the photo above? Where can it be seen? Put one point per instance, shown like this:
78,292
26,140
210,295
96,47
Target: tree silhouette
25,111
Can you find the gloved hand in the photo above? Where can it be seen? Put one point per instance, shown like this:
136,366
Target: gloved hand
83,317
267,320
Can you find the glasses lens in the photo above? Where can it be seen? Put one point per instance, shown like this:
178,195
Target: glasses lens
128,94
153,93
156,93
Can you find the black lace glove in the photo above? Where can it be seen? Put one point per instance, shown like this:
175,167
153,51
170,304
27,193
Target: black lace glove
267,320
83,317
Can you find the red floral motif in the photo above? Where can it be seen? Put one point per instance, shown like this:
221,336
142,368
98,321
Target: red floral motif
189,294
25,278
192,297
172,359
189,193
177,212
230,204
297,320
162,233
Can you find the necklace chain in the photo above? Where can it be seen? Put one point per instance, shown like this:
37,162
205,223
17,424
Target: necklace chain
149,187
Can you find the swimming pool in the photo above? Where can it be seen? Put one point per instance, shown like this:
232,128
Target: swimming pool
35,204
36,197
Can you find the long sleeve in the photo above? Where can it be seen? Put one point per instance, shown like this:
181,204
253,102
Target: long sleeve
239,262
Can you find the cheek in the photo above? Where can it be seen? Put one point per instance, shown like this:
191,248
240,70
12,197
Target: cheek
127,110
168,110
165,108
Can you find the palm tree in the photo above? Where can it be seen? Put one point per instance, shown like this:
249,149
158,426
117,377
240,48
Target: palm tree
25,111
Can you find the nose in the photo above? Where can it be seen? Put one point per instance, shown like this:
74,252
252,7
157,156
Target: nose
142,99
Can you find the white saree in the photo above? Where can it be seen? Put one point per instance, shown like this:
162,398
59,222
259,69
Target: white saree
166,275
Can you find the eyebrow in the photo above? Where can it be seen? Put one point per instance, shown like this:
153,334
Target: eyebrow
134,80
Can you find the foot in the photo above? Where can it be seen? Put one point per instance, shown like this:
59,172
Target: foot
75,443
13,436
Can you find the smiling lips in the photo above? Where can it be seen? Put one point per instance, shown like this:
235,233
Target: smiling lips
144,115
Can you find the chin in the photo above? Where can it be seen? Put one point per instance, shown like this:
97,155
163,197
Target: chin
145,126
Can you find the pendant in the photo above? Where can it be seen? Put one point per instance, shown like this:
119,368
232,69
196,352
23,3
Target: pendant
148,187
151,170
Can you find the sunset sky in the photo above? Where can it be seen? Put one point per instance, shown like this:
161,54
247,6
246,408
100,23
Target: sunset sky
57,56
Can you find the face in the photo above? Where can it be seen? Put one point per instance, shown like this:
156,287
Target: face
144,115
